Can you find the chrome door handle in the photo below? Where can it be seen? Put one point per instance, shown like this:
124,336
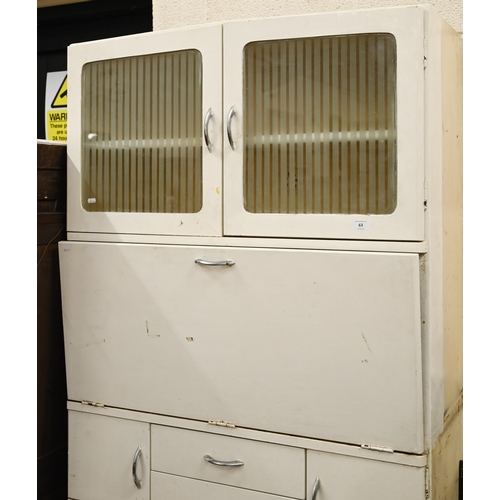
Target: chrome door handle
209,144
316,485
137,454
220,463
203,262
230,115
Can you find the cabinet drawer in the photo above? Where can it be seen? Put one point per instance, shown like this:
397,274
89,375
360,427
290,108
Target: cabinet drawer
166,486
266,467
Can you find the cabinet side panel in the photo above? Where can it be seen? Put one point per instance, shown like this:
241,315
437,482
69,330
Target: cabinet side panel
446,455
447,450
451,60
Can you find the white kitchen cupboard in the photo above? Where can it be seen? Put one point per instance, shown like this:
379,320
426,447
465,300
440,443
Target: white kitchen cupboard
263,265
295,171
137,161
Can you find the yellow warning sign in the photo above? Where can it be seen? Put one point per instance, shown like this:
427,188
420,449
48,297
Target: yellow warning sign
61,98
56,106
57,125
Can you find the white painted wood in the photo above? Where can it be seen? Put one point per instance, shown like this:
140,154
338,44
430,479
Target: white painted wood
267,467
101,451
318,344
407,222
208,40
442,284
349,478
181,488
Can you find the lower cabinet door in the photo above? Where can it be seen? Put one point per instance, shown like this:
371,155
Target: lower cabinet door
264,343
340,477
167,487
108,458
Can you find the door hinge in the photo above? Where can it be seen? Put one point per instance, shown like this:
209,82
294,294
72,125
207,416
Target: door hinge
383,449
427,483
221,423
93,403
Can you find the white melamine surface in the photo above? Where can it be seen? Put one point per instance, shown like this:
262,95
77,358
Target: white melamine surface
320,344
181,488
266,467
349,478
101,452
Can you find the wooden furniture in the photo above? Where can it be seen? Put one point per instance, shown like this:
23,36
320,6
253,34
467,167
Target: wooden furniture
262,277
52,419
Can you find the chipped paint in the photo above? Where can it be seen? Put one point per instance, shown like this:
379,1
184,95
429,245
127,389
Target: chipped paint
148,332
222,423
88,344
366,342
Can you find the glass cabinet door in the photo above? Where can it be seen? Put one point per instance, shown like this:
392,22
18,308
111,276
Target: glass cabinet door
326,128
142,134
140,154
319,125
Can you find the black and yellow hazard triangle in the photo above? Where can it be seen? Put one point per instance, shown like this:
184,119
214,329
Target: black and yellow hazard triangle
61,98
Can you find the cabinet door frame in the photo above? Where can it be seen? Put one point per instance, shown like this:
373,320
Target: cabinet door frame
406,223
208,221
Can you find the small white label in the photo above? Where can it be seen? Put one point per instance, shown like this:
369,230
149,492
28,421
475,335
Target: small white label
91,200
362,225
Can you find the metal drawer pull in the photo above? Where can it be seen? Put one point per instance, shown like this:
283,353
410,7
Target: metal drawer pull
202,262
137,454
316,485
209,144
231,463
230,115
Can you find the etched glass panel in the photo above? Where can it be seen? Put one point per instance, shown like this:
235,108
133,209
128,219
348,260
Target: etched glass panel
142,134
320,125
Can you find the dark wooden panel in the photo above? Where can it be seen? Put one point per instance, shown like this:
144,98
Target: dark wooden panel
51,156
51,191
51,177
52,419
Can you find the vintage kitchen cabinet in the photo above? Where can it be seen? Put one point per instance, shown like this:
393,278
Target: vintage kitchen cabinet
261,282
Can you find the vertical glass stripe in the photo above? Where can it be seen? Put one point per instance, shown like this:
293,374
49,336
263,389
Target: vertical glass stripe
113,175
283,150
325,127
291,130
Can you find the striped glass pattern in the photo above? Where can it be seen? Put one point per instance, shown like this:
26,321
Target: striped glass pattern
320,125
142,134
